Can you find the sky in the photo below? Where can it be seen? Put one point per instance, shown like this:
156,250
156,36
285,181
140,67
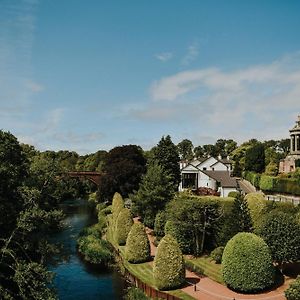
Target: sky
90,75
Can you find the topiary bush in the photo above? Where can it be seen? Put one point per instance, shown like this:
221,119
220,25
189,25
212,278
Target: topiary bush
137,248
117,206
247,263
216,254
233,194
293,291
159,224
168,266
123,226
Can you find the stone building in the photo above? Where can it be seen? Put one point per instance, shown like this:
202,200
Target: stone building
290,163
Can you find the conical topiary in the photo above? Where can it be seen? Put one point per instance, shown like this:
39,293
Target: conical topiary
123,226
168,266
137,245
247,263
117,206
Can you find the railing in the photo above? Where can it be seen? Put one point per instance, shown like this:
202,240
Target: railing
280,198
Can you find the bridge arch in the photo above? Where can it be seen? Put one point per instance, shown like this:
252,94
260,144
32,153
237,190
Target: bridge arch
94,177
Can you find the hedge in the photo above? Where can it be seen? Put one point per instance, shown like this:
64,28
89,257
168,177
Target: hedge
159,224
137,248
168,265
123,226
117,206
247,263
216,254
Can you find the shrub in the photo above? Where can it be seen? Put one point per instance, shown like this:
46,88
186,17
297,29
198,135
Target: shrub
267,183
137,245
168,266
159,224
134,293
182,235
107,210
233,194
117,206
247,263
123,226
216,254
293,291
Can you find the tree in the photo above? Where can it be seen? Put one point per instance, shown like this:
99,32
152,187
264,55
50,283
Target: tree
247,263
255,158
137,248
282,234
168,265
199,152
123,226
155,191
122,171
166,155
185,149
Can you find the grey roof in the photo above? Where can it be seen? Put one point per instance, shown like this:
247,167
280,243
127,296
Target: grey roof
223,177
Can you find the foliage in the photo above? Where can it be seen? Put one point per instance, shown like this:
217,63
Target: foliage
117,206
255,158
216,254
159,224
122,171
166,155
137,245
168,265
247,263
123,226
282,234
134,293
156,190
181,233
94,249
258,206
233,194
293,291
196,216
185,149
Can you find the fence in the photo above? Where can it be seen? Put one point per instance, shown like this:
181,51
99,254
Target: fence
281,198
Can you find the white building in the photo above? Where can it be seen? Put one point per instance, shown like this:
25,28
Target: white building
208,173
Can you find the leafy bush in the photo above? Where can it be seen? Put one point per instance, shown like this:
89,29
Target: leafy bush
267,183
233,194
293,291
95,250
134,293
182,235
247,263
123,226
216,254
168,266
159,224
137,245
281,232
107,210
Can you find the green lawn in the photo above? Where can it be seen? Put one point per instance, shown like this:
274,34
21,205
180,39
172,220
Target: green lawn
207,267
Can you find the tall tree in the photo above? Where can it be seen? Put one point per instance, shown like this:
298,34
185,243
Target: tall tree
122,171
185,149
255,158
156,190
166,155
199,152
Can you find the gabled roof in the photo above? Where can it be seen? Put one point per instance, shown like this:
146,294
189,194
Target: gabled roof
190,167
223,177
205,159
217,162
226,161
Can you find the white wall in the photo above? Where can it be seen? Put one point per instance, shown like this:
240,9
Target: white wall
205,165
226,190
220,167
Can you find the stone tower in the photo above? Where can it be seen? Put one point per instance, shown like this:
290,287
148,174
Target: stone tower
289,163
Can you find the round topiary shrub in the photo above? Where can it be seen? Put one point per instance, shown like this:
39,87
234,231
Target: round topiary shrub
247,263
216,254
137,245
293,291
168,266
123,226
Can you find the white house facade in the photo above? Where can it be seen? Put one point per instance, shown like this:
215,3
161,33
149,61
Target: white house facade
208,173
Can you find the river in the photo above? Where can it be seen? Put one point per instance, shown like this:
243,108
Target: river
75,279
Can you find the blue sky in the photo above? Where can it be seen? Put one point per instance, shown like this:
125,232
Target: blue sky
90,75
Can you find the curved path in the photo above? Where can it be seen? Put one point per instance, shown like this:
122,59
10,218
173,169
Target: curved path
204,288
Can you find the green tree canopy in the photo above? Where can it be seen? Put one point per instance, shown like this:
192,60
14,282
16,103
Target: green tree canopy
255,158
185,149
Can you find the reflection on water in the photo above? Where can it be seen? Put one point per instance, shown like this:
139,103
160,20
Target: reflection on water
74,278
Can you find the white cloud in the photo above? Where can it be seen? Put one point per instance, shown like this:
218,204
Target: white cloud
165,56
191,55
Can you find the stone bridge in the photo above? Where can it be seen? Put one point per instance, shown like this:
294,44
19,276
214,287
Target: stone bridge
94,177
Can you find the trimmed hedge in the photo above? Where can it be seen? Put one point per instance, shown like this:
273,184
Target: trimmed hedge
216,254
247,263
117,206
137,248
293,291
168,265
123,226
159,224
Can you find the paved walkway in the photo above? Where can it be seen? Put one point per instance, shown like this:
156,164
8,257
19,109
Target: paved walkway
204,288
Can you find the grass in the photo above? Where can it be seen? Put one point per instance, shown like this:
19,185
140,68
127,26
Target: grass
204,265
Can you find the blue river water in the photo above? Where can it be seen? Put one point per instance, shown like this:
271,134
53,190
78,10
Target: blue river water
75,279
